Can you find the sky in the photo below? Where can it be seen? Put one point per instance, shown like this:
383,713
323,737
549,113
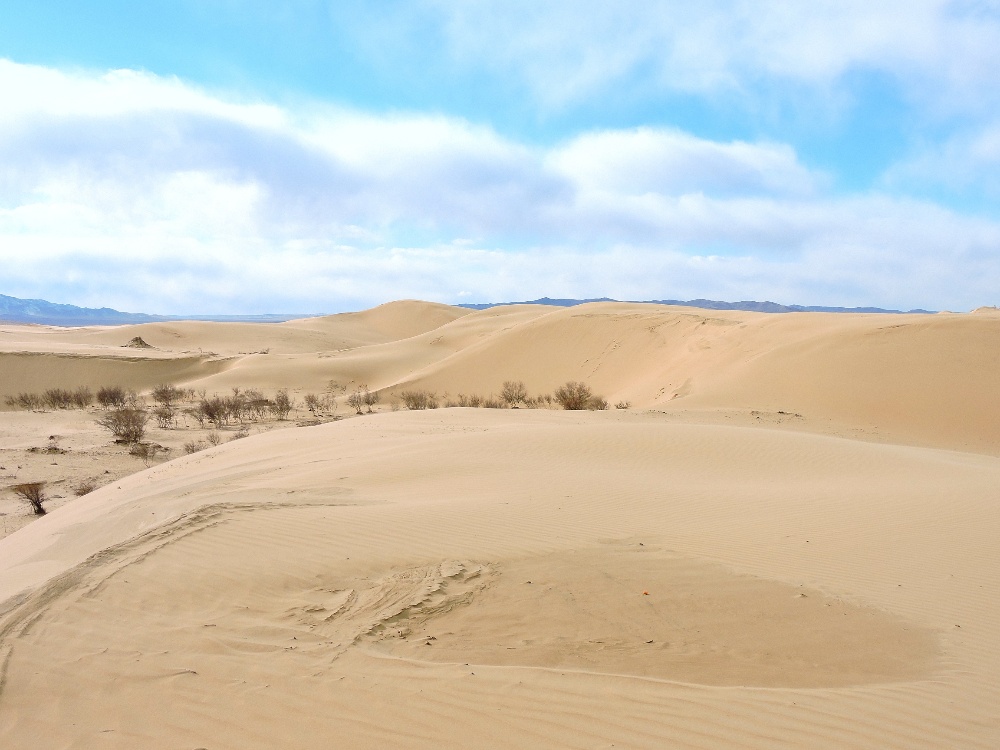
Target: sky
308,156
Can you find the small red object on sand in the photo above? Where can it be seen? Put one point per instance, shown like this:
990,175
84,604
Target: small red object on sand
645,593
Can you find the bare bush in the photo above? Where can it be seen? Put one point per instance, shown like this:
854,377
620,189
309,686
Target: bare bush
30,401
492,402
58,398
513,392
167,395
312,401
193,447
214,438
360,398
128,425
622,405
470,401
146,451
112,397
165,416
32,493
84,488
240,434
82,397
574,396
214,410
282,404
415,400
597,403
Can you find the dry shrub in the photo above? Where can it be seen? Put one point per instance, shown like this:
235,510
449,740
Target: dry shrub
31,401
112,397
128,425
282,404
240,434
84,488
622,405
214,438
146,451
165,416
597,403
471,401
32,493
492,403
193,447
415,400
574,396
167,395
513,392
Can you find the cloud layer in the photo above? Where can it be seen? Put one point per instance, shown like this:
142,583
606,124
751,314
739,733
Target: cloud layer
146,193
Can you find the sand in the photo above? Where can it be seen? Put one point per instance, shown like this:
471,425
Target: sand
786,540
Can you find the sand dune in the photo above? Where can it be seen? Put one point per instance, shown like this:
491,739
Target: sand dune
788,540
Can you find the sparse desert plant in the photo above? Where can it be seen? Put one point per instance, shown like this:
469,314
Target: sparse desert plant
193,447
360,398
312,401
214,410
214,438
32,493
82,397
240,434
111,397
415,400
597,403
58,398
492,402
282,404
128,425
574,396
371,398
30,401
84,488
165,416
473,401
166,395
146,451
623,405
513,392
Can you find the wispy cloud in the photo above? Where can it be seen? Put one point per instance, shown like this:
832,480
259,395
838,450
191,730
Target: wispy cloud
147,193
942,51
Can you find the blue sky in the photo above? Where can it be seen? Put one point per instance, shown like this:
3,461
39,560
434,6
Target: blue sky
226,156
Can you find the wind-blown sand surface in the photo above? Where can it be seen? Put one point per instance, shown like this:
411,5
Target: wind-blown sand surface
788,540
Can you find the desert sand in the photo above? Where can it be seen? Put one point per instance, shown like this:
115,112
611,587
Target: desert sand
785,538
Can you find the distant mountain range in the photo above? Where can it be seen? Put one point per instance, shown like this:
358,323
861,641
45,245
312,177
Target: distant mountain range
14,310
708,304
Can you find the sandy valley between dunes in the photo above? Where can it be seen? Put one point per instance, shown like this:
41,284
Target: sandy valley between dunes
788,539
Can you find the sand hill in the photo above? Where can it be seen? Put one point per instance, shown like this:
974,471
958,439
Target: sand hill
786,540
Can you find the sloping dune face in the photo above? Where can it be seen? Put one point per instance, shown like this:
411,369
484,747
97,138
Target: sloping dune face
536,579
921,379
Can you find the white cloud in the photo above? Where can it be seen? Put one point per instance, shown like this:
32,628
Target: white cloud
943,51
183,201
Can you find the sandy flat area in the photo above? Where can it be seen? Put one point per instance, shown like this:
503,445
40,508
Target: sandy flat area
786,538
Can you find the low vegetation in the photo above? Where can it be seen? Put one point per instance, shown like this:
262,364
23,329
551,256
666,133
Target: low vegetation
32,493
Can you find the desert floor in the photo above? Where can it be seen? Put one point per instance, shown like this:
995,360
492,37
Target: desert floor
785,538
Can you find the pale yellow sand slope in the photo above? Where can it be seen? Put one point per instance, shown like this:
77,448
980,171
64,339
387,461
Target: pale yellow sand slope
919,379
583,580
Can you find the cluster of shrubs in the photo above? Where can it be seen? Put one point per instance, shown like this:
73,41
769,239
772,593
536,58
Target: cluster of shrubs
53,398
514,394
241,407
